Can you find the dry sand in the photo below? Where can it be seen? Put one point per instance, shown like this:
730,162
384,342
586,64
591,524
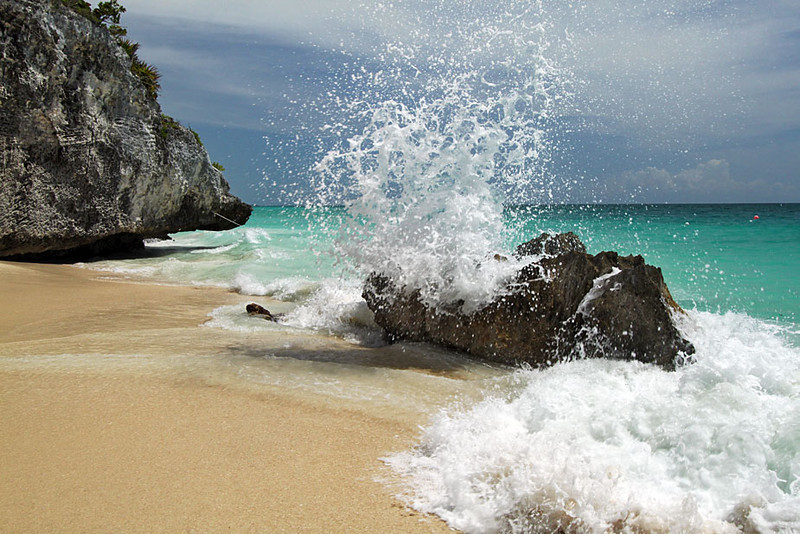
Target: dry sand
119,447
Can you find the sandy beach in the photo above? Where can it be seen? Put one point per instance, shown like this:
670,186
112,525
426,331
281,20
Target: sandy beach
105,429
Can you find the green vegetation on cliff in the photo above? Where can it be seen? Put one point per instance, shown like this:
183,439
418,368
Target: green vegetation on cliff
167,124
102,15
108,14
148,74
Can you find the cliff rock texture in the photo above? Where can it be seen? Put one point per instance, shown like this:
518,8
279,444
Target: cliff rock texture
88,161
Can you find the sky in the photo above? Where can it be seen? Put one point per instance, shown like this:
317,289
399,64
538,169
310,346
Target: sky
657,101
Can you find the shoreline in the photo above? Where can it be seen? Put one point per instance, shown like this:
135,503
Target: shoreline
111,422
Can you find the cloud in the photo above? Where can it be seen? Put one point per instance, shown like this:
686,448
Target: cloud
227,77
661,83
288,20
709,182
677,72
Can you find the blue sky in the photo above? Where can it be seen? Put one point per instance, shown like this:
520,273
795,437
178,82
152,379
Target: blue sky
669,101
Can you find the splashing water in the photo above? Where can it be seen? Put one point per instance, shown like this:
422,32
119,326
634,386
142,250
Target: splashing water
602,446
445,145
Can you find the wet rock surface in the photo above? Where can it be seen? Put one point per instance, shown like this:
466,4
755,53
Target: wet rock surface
89,163
566,304
257,310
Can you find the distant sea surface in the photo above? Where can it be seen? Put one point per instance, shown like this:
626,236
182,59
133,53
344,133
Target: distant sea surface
586,446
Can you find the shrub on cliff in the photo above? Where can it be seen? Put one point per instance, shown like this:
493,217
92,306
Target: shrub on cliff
148,74
81,8
167,124
129,46
104,13
108,14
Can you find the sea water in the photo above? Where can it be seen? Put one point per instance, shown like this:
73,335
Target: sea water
586,445
714,257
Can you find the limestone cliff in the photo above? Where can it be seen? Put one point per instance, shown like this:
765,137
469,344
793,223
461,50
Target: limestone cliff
88,161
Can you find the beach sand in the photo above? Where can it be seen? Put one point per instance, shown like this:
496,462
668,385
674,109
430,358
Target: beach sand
105,429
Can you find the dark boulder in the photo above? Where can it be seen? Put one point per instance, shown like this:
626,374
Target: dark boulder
551,245
564,306
257,310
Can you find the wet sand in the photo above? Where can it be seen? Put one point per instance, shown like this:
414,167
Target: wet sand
103,431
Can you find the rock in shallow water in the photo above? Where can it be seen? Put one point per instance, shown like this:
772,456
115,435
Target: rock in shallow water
89,163
568,304
257,310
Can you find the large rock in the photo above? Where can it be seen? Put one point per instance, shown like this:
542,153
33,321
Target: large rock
566,304
88,160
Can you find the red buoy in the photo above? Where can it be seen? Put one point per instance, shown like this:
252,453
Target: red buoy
755,217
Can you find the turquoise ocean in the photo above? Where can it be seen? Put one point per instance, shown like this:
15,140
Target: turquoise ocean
585,445
720,258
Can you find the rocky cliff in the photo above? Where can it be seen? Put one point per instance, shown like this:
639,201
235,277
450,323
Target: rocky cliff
88,161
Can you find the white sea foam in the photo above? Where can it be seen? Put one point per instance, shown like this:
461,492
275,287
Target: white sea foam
291,289
256,236
217,250
331,307
338,309
592,446
235,319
